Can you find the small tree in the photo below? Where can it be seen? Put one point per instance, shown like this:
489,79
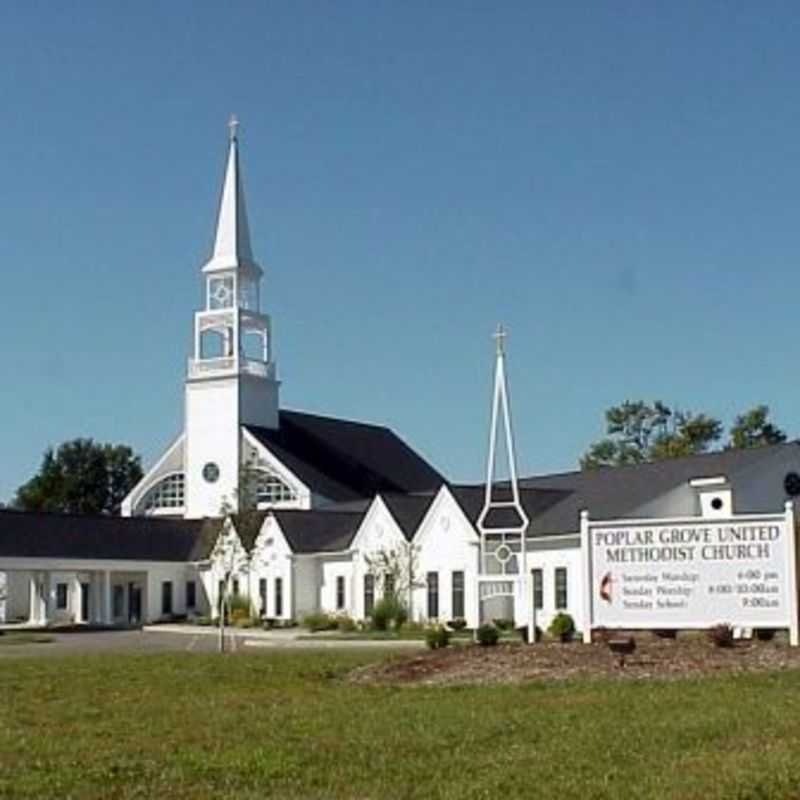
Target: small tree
233,558
400,566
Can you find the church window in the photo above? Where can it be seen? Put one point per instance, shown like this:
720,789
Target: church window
458,594
262,593
169,493
388,585
340,598
369,594
271,489
211,472
433,595
561,588
538,588
61,596
191,594
278,597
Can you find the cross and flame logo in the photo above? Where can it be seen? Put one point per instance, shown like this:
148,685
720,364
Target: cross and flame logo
606,584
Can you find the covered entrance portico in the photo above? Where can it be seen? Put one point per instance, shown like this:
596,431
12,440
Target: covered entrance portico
42,594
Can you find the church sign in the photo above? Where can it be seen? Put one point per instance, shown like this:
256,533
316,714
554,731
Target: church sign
691,573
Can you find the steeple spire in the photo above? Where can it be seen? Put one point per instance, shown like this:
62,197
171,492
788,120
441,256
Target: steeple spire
232,248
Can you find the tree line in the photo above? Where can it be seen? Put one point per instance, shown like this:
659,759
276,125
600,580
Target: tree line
638,431
82,476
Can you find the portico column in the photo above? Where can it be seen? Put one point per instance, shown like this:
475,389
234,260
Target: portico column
95,599
33,599
76,602
48,601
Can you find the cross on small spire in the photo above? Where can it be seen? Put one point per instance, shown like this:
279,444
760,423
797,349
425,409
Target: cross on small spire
499,337
233,126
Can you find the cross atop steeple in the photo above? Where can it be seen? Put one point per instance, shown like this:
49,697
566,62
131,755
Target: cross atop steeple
233,127
499,337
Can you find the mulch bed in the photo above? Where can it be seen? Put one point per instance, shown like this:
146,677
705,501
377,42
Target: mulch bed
689,654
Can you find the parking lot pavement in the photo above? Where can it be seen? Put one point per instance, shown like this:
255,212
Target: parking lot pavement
160,640
124,641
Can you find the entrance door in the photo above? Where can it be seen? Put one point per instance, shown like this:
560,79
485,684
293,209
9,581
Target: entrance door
85,587
134,604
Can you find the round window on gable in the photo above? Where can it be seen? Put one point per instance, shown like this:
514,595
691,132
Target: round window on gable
791,483
716,503
211,472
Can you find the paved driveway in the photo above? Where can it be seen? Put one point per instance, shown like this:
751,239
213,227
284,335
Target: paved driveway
167,639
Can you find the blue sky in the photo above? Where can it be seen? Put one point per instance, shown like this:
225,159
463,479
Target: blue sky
616,182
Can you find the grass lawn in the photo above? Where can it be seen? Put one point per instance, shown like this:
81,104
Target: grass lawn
285,725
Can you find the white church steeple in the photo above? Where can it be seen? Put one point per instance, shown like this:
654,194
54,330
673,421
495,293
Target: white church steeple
231,378
232,249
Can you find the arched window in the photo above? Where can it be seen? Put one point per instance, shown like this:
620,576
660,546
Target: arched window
271,489
168,493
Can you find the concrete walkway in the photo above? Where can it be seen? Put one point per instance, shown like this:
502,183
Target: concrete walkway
287,637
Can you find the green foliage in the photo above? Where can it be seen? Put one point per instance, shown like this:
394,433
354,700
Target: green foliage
320,621
457,624
504,624
388,611
752,429
81,477
487,635
522,630
638,431
346,623
562,626
437,637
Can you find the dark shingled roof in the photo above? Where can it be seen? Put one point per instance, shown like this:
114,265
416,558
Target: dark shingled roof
344,460
408,510
37,535
535,502
318,531
614,492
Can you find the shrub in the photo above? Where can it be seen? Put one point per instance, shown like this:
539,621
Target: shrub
320,621
202,621
437,637
345,623
721,635
562,626
522,630
457,624
487,635
504,624
765,634
236,605
400,615
388,611
238,616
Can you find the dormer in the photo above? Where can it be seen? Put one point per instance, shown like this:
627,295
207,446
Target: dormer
714,496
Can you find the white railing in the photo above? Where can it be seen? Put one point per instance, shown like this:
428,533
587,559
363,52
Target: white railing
204,367
200,368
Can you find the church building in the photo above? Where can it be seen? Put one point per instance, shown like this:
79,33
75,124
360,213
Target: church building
299,513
